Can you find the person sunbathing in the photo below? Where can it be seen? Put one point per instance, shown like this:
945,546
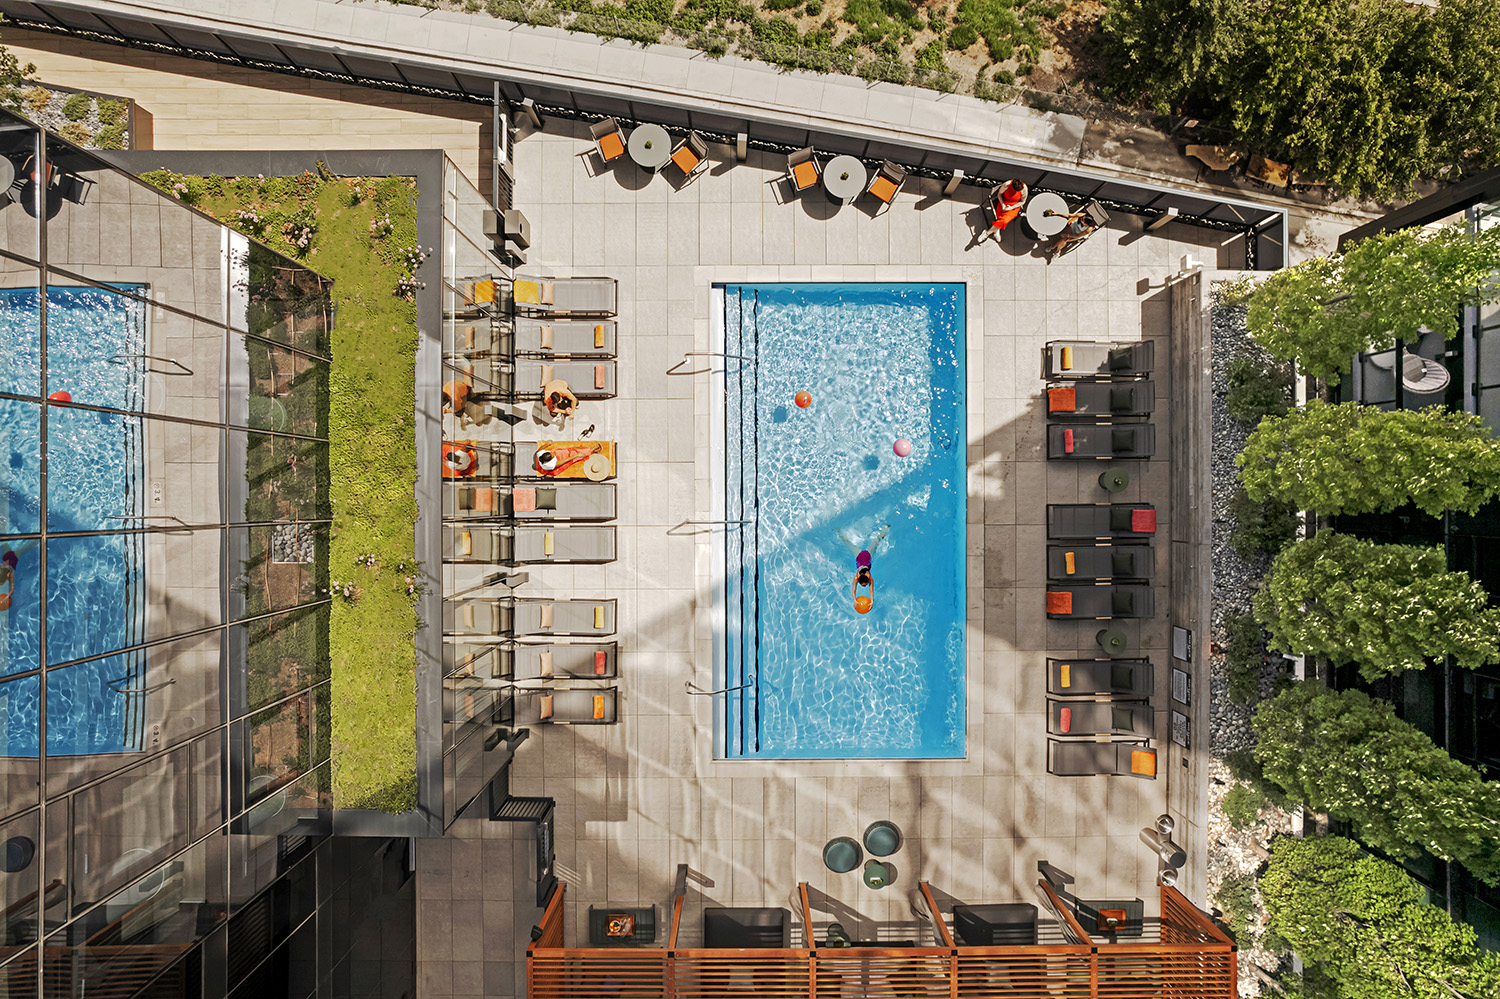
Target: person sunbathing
559,398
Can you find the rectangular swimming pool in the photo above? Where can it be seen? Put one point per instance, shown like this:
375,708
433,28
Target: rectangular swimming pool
95,582
807,489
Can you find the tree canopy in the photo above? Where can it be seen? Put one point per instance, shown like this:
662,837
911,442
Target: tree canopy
1363,922
1348,458
1367,94
1348,754
1389,286
1387,608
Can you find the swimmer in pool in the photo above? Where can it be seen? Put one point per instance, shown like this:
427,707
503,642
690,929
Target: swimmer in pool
8,561
863,579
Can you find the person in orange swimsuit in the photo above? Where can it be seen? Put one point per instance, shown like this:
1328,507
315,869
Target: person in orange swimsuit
551,459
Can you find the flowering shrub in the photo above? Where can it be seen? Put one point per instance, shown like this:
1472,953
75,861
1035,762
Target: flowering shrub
381,226
412,256
348,591
250,220
406,287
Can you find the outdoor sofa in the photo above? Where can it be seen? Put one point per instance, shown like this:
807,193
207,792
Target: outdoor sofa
1090,718
1101,759
1136,397
1087,359
1101,441
1093,677
1067,521
1095,602
1081,563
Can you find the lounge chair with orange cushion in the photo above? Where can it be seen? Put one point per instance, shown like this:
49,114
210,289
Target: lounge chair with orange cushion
1069,359
577,706
531,617
1083,563
886,182
802,170
1135,397
565,338
1126,678
562,660
574,296
609,141
1101,759
1101,441
1094,602
1090,718
1068,521
574,501
529,544
690,156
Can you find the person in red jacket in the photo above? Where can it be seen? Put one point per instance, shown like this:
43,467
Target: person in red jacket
1006,205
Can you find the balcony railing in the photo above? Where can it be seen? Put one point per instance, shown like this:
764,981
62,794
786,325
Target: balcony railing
1193,960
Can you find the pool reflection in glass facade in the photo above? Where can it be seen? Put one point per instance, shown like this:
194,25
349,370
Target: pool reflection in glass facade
164,741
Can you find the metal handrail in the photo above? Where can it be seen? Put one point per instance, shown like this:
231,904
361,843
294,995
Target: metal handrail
705,353
152,357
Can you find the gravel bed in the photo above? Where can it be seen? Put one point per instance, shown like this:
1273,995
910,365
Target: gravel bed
1231,850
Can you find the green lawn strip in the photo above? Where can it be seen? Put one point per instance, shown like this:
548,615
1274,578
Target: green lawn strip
372,452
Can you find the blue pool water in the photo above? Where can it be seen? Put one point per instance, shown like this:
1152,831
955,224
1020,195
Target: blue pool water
95,585
816,486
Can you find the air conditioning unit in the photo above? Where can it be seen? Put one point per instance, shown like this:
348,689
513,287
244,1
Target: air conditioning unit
491,225
516,228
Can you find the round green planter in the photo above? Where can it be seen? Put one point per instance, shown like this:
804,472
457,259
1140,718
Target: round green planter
841,855
882,838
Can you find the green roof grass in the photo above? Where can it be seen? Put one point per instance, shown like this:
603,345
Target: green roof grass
360,232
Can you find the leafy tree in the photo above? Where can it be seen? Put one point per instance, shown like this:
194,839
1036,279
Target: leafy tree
1349,458
1268,526
1386,607
12,75
1257,389
1325,310
1363,922
1348,754
1366,94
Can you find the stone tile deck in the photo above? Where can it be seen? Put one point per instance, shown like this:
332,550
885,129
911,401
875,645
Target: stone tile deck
637,798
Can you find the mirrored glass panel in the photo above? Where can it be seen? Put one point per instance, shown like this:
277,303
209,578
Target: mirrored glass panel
269,477
20,879
280,566
277,656
283,389
96,344
96,595
277,299
20,706
20,323
20,468
20,213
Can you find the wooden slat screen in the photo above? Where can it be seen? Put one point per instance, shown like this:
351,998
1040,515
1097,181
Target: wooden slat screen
1202,968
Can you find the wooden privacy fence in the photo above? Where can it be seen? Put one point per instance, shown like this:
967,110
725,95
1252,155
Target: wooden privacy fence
1194,960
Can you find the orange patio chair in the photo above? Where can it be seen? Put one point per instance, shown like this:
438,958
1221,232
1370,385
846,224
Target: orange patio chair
802,170
886,182
690,156
608,139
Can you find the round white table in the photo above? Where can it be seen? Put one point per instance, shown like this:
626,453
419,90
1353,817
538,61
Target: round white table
844,179
1042,224
650,147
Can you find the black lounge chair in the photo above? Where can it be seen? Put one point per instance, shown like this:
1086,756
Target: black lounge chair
1125,398
1101,759
739,928
1081,563
1101,441
1099,602
1067,521
1087,359
1090,718
1093,677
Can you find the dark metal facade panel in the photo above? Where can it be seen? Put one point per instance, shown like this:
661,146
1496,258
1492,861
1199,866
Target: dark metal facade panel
473,87
201,41
323,62
437,79
372,69
249,48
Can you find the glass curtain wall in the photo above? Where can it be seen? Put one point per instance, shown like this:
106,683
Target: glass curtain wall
163,551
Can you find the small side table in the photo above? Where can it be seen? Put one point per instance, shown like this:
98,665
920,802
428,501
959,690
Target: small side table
844,179
877,875
1113,641
1042,223
1114,480
1096,916
650,147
